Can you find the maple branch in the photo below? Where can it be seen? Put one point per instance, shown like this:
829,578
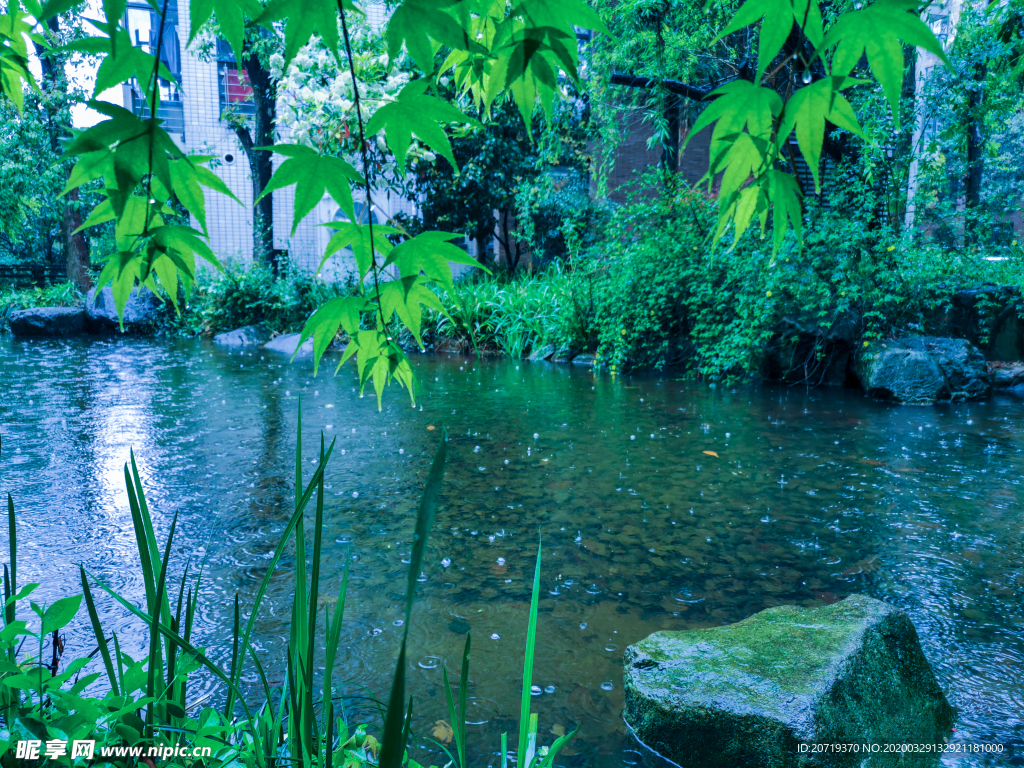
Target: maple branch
366,166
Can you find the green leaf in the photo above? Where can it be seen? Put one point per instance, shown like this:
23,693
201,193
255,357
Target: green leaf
230,15
776,18
313,174
357,237
432,254
323,325
807,110
423,26
304,18
59,614
188,176
876,31
531,640
415,113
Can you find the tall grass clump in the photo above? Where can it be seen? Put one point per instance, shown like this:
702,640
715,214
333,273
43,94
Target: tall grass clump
512,315
145,703
13,299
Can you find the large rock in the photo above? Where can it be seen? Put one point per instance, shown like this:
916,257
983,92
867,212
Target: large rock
763,692
923,370
47,321
139,313
545,352
1006,375
245,336
288,344
987,316
812,351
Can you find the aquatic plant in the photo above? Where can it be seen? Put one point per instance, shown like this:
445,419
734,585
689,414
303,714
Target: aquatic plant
300,722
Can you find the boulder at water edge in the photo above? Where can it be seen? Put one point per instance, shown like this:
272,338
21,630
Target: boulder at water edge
923,370
47,321
288,344
762,692
139,313
245,336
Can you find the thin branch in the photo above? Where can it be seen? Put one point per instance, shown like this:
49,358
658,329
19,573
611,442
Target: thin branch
366,165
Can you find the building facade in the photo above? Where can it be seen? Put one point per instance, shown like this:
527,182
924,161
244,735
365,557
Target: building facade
193,107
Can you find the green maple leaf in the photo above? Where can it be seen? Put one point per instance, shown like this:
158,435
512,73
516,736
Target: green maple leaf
231,16
876,31
414,113
341,312
313,174
357,237
404,297
423,26
432,254
305,18
188,176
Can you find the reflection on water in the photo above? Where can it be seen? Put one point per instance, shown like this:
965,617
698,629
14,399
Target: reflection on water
812,496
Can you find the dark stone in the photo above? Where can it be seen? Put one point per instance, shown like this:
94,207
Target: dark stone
762,692
288,343
542,353
47,321
806,350
1006,375
987,316
565,355
243,337
922,370
140,313
587,360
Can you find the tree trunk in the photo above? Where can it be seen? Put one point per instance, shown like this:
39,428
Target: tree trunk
76,249
481,237
975,143
261,168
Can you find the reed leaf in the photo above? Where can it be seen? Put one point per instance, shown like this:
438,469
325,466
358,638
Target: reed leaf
97,630
531,637
393,741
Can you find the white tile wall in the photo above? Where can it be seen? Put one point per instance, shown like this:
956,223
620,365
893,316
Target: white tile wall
229,224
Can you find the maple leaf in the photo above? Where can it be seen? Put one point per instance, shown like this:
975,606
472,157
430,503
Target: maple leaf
416,113
305,18
432,254
313,174
231,16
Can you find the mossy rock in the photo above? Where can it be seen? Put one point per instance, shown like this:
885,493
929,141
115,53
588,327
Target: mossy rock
923,370
762,693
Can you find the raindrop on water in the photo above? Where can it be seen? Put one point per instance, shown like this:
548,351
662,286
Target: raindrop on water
535,690
549,689
807,77
495,636
607,686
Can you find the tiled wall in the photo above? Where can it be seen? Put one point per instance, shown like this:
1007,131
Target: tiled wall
229,224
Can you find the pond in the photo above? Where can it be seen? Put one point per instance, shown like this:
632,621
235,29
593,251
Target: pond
813,495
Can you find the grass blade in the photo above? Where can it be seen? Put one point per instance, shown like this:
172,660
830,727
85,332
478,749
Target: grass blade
393,741
531,636
97,630
12,541
460,729
278,553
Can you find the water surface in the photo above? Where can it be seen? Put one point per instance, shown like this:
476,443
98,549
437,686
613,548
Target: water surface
812,496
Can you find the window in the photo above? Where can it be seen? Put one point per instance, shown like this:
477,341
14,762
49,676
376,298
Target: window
233,83
144,28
